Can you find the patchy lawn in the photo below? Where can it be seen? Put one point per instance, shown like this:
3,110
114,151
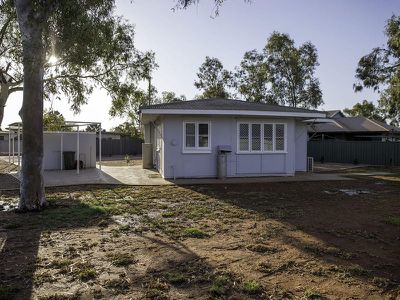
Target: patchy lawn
298,240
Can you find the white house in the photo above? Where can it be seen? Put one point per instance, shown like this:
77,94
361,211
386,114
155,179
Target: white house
259,139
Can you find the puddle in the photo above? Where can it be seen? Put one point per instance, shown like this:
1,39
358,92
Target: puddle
7,206
349,192
354,192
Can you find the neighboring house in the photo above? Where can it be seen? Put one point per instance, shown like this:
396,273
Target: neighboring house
352,129
261,139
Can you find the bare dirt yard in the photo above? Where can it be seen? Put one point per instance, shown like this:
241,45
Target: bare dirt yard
297,240
7,181
121,161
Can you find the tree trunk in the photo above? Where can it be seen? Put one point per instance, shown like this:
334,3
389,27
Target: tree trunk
32,195
4,92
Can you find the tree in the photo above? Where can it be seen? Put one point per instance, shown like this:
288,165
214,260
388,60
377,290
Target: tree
82,34
53,121
107,58
252,78
169,97
128,128
380,70
365,109
107,53
213,79
291,72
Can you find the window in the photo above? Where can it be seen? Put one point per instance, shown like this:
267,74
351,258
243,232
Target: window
244,137
261,137
255,137
268,137
196,136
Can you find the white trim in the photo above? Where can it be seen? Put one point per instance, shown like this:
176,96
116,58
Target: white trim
262,151
196,148
155,111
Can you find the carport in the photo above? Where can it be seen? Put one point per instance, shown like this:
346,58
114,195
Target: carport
55,143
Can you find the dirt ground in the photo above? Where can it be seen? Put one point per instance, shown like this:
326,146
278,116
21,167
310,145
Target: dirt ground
297,240
121,161
6,180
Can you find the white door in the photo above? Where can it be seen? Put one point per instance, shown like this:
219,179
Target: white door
158,144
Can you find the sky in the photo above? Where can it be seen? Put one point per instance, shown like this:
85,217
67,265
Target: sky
342,31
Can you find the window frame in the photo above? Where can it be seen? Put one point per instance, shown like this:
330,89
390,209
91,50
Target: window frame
250,151
196,148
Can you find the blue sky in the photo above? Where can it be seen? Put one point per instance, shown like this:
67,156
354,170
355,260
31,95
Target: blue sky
342,31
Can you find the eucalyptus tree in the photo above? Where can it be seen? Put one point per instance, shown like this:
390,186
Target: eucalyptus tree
70,48
252,78
92,47
365,109
292,72
380,70
213,80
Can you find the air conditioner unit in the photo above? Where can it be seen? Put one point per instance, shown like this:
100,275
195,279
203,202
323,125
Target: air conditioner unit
310,164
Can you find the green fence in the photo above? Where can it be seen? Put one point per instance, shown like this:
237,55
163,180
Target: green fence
358,152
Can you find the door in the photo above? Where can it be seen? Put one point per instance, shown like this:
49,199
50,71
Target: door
158,147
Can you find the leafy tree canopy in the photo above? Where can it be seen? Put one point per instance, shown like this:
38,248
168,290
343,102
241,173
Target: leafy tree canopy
365,109
54,121
292,72
169,97
213,80
252,78
128,128
106,59
380,70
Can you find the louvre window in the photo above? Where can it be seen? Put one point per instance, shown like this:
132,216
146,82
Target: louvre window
244,137
261,137
268,137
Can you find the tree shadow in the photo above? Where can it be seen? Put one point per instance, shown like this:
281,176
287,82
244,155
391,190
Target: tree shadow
22,235
347,231
20,240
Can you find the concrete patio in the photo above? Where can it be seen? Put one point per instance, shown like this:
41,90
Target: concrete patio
135,175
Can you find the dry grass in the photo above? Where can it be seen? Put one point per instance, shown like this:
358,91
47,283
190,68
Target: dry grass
253,241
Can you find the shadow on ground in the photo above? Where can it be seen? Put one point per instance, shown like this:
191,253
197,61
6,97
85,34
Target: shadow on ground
344,224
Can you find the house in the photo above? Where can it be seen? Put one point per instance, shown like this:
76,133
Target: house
259,139
352,129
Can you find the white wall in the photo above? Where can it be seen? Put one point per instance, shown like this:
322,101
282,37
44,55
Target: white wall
52,148
301,139
224,132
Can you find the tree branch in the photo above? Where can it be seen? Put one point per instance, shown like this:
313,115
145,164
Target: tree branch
4,29
16,89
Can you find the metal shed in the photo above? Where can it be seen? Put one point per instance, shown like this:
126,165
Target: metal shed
55,143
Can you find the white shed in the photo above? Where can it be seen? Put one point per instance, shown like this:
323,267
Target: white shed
56,143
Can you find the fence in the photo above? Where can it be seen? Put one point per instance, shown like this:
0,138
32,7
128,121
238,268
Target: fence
357,152
124,145
4,147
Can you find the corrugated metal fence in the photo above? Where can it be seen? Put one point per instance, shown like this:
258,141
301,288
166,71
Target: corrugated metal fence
125,145
359,152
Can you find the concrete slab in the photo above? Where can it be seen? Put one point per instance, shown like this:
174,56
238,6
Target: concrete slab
135,175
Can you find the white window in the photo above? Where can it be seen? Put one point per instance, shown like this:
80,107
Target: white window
196,137
261,137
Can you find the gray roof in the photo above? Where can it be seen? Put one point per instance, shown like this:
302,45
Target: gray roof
227,104
334,113
354,124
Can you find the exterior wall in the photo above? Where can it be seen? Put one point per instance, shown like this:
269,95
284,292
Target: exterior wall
223,131
52,148
301,139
